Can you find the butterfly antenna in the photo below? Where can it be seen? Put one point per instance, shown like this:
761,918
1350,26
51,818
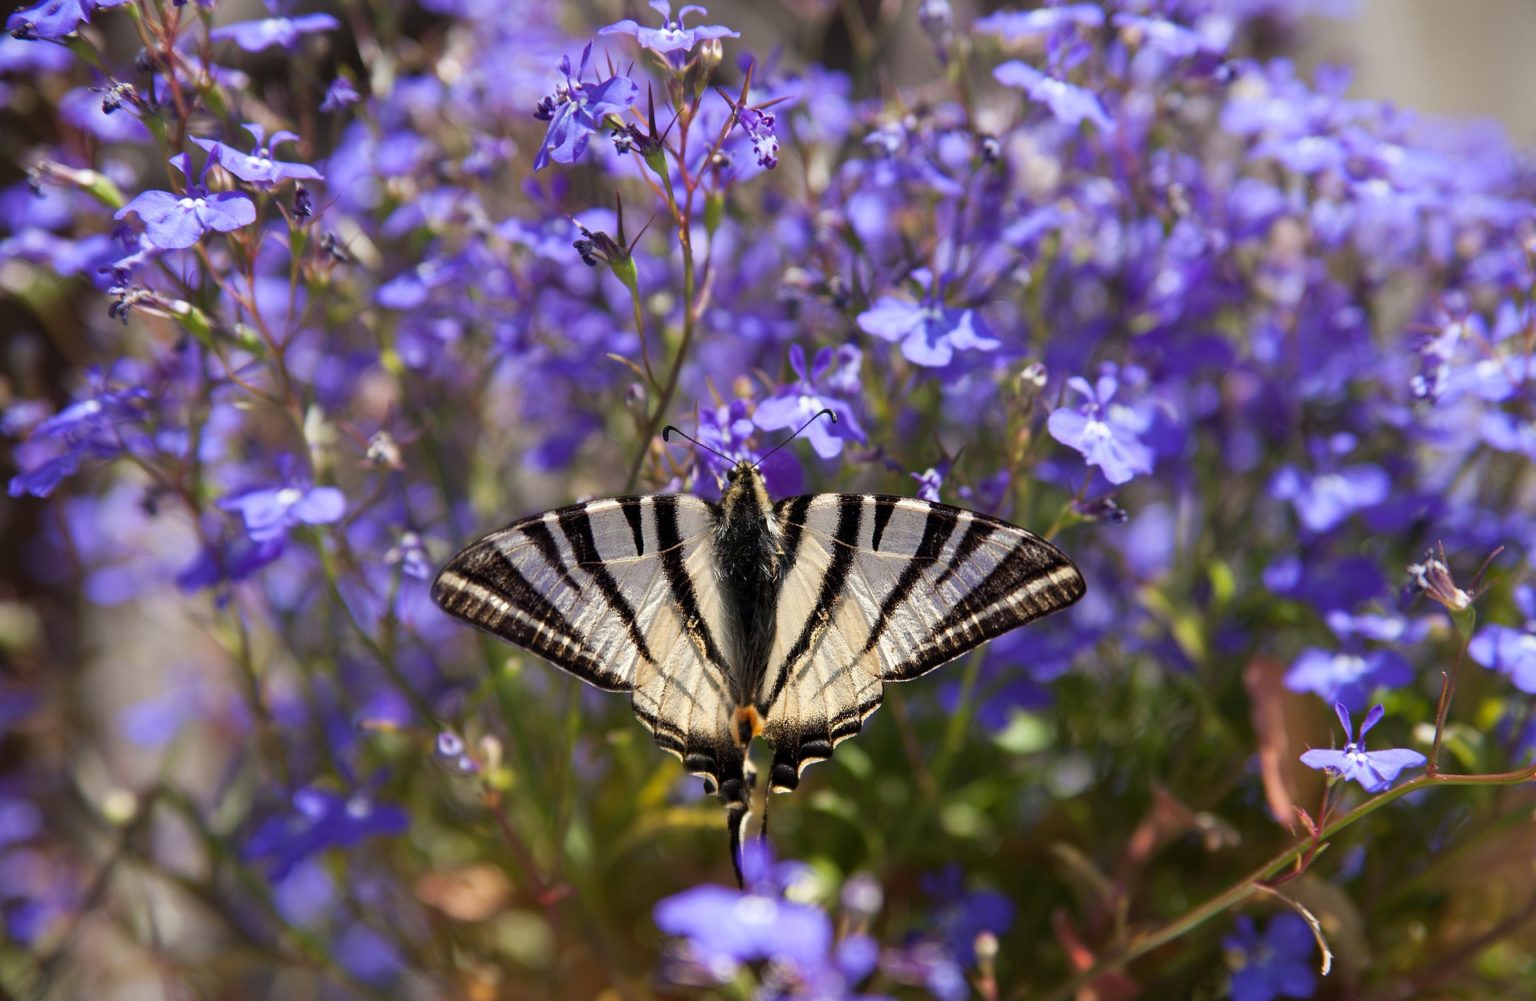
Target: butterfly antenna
669,428
824,410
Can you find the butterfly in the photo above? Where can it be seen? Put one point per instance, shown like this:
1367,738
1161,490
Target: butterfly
752,617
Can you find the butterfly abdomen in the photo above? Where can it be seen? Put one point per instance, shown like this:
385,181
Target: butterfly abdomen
747,555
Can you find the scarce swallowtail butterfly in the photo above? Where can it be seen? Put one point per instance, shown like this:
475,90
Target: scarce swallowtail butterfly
754,617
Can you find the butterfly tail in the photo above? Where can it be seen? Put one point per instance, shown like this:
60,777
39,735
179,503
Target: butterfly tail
737,796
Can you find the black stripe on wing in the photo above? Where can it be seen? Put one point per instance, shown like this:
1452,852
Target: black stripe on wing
669,541
576,524
481,586
1033,579
850,511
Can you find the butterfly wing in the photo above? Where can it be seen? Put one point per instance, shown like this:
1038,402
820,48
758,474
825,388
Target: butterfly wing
606,591
876,589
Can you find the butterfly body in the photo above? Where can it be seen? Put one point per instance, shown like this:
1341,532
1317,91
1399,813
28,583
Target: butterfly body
752,617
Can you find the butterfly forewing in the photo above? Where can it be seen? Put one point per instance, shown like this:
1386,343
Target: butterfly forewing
879,588
615,592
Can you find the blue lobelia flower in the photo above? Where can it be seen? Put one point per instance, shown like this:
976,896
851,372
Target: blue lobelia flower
54,19
268,512
1324,500
1276,964
758,125
1014,26
724,927
1107,434
320,820
929,332
338,95
1071,105
671,37
284,32
1509,650
175,222
960,914
577,110
257,167
796,403
1374,770
1347,676
91,428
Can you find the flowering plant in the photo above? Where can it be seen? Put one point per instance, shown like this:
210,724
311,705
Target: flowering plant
1245,346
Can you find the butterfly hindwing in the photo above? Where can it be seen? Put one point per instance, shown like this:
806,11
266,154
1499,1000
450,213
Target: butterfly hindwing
878,588
613,591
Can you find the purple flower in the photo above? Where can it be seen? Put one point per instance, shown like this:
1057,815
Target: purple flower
1107,434
1172,40
731,430
577,110
268,512
759,128
90,428
1347,676
339,94
1275,964
1512,651
1013,25
54,19
320,820
671,37
724,927
1070,104
1325,500
798,402
257,166
1374,770
929,333
741,926
175,222
287,32
961,915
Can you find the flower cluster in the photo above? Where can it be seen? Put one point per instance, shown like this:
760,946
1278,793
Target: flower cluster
299,304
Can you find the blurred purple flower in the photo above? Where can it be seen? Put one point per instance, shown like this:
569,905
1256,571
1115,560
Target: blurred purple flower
1374,770
671,37
929,332
960,915
89,428
285,32
54,19
1011,25
1173,40
257,167
1071,105
339,94
1347,676
1107,434
1508,650
576,111
20,820
721,923
794,404
368,955
268,512
1273,965
175,222
1324,500
319,820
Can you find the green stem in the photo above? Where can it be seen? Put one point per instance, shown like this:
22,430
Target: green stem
1242,890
